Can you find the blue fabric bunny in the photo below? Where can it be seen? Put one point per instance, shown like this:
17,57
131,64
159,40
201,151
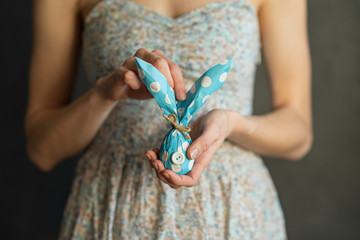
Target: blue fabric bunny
174,145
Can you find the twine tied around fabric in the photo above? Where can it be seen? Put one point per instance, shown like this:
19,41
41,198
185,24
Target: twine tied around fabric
172,118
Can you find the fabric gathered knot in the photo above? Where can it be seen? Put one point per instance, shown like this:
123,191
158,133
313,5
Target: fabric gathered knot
172,118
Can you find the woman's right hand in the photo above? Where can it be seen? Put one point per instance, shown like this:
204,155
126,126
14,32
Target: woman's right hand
124,82
55,127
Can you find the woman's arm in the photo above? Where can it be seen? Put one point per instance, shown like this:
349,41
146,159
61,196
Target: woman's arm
56,129
286,132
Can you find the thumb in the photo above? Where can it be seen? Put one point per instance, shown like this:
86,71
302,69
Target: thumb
203,142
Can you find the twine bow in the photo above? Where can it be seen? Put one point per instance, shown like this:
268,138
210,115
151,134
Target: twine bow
183,129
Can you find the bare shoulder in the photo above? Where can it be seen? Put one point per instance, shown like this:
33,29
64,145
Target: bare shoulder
55,47
49,5
256,3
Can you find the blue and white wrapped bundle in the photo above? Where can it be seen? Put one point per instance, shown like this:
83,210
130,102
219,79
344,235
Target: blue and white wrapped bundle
174,145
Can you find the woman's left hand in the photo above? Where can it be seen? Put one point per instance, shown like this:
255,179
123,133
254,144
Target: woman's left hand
208,132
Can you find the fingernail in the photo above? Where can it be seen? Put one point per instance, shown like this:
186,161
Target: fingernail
182,96
148,157
166,175
194,153
155,166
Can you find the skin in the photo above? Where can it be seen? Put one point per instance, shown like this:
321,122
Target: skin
285,132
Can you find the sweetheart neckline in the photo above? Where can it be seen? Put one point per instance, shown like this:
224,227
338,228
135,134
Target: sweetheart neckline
169,19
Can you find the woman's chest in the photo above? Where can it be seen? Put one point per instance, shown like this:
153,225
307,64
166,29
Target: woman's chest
115,29
172,9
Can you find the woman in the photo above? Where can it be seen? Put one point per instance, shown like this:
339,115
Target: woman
115,195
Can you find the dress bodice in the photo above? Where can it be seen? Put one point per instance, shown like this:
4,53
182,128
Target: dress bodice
196,41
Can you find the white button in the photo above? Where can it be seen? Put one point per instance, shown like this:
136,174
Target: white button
177,158
176,167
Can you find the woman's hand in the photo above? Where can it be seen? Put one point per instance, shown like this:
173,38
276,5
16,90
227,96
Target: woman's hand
125,82
208,133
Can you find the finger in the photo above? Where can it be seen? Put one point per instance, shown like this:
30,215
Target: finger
153,156
158,62
190,179
179,84
202,162
162,178
159,167
130,63
122,74
178,180
203,142
195,128
141,93
156,163
157,151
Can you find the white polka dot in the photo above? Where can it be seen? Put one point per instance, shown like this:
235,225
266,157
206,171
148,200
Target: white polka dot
165,156
206,81
179,149
141,73
191,104
192,89
191,164
174,133
181,111
167,100
185,145
224,62
223,77
176,167
155,86
206,98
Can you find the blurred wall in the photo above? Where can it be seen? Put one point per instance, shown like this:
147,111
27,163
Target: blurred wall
320,194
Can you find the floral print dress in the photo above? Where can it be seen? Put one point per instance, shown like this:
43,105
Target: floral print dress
115,193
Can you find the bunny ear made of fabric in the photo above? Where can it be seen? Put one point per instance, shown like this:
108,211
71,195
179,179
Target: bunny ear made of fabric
158,86
203,87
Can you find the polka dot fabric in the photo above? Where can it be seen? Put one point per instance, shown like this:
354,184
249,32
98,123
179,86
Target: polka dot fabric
115,193
158,86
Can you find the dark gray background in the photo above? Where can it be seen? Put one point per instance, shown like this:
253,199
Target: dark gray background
320,194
